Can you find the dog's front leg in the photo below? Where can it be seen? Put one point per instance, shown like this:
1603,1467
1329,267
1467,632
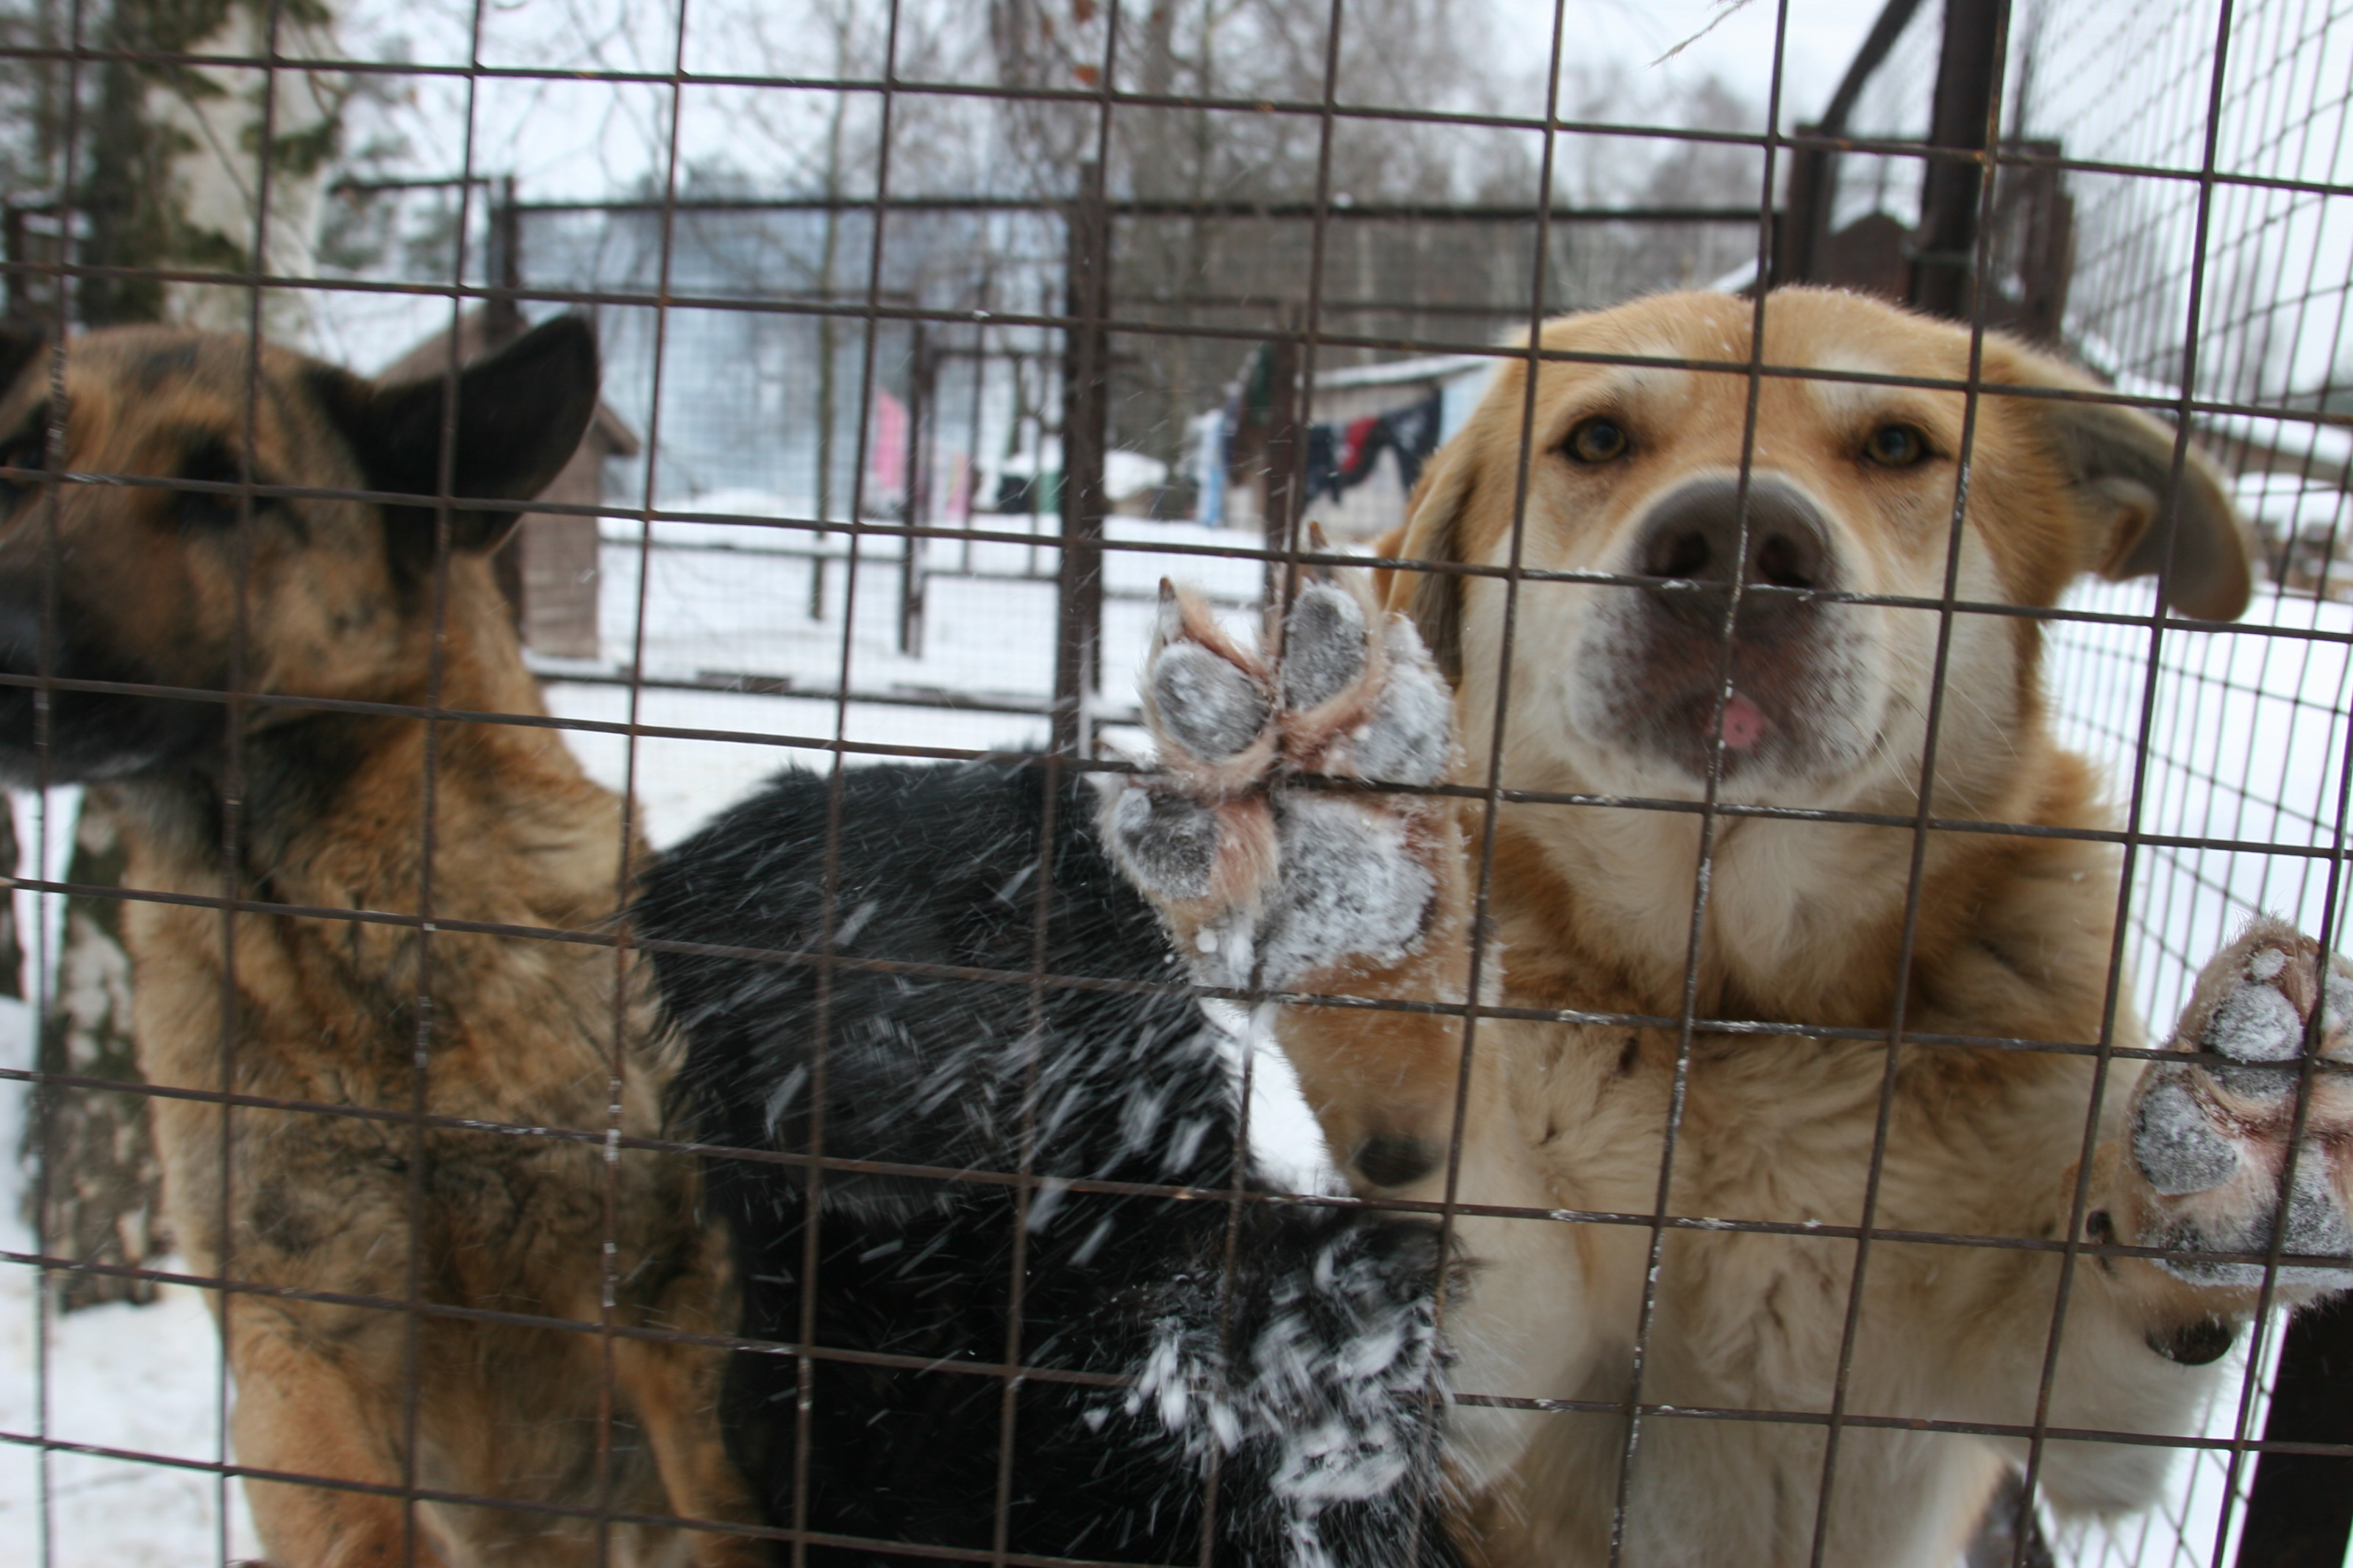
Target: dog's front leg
2199,1170
673,1388
1272,880
301,1409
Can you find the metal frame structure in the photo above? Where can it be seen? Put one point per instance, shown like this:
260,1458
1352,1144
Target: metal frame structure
2290,1482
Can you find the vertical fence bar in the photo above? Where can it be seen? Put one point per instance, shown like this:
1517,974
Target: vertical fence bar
1282,474
916,509
1086,420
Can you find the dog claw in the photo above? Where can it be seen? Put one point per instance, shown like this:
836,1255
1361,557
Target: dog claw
2211,1141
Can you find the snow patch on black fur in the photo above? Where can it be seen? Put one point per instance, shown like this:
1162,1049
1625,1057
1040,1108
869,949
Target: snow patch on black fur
1327,1399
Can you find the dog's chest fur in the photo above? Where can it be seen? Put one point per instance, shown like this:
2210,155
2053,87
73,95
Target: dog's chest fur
327,1011
1785,1131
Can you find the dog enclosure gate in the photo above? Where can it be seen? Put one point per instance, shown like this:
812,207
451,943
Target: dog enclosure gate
896,446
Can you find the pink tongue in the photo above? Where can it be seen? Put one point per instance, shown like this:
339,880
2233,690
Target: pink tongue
1744,723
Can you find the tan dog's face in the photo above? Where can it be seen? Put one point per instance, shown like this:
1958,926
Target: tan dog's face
1636,471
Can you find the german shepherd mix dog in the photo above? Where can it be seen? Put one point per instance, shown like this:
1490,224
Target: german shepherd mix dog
1795,511
1289,1351
337,1218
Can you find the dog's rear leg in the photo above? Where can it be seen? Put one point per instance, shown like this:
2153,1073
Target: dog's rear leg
1273,880
300,1414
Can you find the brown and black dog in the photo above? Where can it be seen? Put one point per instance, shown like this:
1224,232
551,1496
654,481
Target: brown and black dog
420,1301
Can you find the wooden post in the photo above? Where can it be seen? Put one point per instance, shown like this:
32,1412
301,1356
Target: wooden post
1944,269
917,508
1805,218
1086,421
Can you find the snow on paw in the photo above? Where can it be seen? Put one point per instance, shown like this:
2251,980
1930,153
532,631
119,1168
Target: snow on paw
1353,888
1360,705
1261,881
2211,1138
1206,701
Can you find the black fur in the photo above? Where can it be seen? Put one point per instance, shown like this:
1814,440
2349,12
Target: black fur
1324,1442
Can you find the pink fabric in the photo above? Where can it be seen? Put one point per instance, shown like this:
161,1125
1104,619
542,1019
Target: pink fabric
886,449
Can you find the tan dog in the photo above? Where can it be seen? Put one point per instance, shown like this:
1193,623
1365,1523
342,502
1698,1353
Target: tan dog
337,1219
1618,689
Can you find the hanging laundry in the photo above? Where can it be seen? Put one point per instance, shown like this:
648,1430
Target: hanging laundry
1412,433
886,454
1322,468
1340,457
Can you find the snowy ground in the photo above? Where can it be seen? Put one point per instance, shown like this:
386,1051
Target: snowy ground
143,1379
733,599
2245,733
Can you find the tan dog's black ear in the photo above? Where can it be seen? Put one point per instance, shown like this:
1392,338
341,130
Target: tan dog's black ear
1432,532
2122,463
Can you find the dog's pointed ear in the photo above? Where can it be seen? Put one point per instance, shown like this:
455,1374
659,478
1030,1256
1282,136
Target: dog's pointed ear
520,412
1432,531
2122,461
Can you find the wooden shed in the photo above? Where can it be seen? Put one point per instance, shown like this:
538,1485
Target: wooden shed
549,564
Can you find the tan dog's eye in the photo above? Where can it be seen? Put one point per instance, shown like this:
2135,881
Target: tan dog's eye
1597,440
1896,446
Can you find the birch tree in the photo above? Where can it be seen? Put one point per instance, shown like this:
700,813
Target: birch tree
177,182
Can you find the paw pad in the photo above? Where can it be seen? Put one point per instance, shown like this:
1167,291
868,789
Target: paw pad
2212,1139
1265,882
1322,646
1211,708
2176,1144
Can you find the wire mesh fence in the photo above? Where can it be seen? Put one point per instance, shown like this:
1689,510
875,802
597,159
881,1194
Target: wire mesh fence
932,341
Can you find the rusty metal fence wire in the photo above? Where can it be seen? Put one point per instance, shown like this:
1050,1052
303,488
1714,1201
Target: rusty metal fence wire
890,471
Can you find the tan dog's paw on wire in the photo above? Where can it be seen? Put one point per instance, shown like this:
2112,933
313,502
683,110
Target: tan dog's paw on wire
1267,883
2211,1138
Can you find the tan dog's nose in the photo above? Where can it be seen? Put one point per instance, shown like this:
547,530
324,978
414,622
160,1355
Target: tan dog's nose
1695,537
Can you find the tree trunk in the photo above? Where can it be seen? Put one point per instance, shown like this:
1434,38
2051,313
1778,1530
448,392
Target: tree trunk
177,180
102,1200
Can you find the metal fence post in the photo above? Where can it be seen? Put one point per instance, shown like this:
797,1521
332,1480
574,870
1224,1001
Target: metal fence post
1086,410
1944,269
921,374
2300,1508
1284,458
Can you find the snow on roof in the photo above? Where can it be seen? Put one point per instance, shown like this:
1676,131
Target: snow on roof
1435,367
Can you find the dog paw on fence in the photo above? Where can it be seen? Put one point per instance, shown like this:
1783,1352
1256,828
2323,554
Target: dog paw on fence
2211,1134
